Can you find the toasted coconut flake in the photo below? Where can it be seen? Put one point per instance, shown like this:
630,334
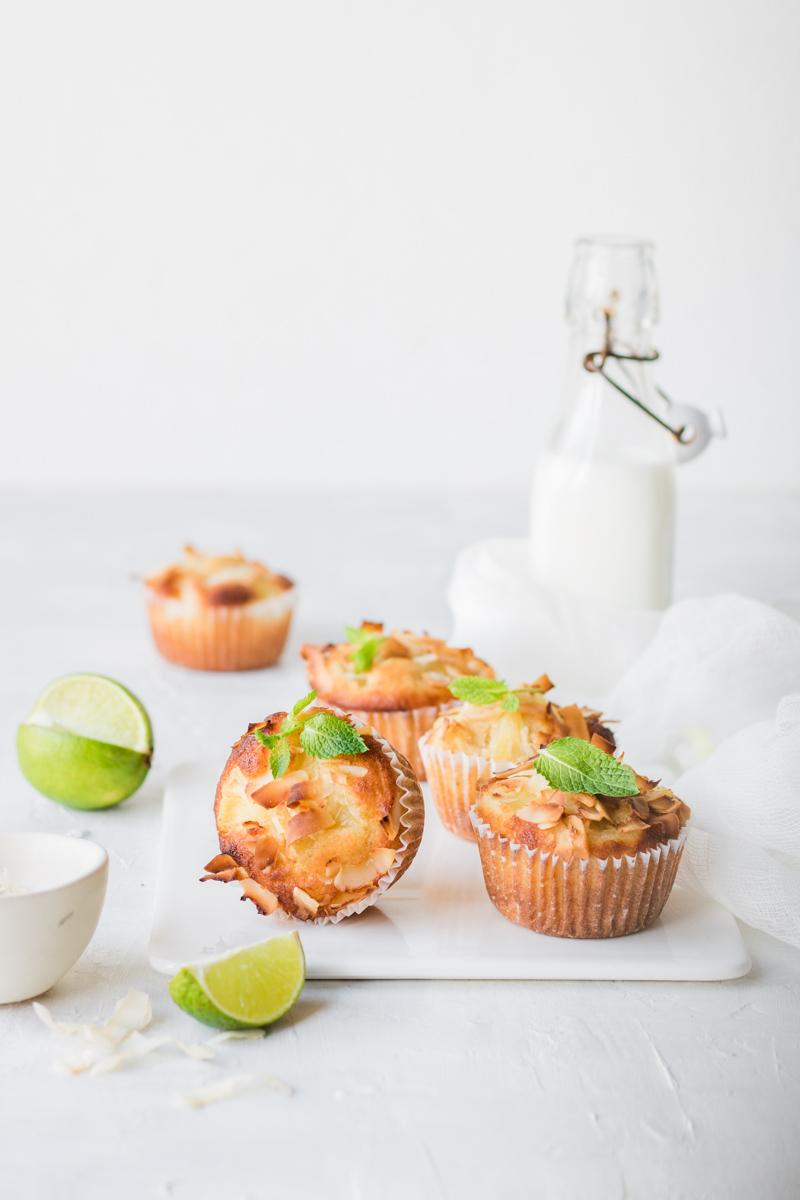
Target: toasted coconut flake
601,743
540,814
220,862
265,901
575,722
305,823
289,789
352,877
265,852
352,769
303,900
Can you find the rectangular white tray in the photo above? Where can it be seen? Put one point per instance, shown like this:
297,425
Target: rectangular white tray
436,923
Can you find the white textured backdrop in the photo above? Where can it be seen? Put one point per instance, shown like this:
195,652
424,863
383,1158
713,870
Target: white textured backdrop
247,242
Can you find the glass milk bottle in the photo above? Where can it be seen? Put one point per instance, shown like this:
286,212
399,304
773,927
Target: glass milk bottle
603,502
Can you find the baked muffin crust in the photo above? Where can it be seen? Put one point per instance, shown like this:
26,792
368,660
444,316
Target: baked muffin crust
320,837
408,671
216,580
492,731
521,806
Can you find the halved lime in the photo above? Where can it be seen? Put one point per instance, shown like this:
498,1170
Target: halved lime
86,743
244,989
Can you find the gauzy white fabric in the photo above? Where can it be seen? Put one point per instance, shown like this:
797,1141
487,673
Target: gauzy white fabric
708,700
713,705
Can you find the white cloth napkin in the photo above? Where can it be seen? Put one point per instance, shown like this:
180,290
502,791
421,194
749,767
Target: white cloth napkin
707,696
713,706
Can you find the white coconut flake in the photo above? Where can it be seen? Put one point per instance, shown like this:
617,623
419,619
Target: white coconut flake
137,1046
119,1041
223,1089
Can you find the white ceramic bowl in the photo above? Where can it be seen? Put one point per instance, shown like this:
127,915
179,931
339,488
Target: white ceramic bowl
57,887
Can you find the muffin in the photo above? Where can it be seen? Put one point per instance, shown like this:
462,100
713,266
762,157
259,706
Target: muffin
316,817
397,682
578,864
494,729
219,612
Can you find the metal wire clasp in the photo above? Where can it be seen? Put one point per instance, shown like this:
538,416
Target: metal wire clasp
595,362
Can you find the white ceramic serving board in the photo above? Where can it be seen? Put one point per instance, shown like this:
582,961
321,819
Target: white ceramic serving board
436,923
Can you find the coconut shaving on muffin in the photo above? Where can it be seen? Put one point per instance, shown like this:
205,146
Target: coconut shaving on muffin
504,725
314,814
375,671
523,806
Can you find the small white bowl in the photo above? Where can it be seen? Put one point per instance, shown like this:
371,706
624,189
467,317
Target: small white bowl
51,897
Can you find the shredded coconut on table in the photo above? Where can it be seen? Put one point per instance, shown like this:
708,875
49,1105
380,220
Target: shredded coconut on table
120,1041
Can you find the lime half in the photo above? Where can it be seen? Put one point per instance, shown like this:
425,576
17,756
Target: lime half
246,988
86,743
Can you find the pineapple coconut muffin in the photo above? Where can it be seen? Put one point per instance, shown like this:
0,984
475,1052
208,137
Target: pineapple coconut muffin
317,815
397,682
576,844
216,612
494,728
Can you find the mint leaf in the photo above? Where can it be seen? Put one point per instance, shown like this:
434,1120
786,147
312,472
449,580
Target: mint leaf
511,702
304,703
356,635
268,739
474,689
279,759
573,765
327,736
363,656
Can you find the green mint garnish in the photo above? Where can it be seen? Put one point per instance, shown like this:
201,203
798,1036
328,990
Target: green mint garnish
366,644
279,759
474,689
327,736
322,735
573,765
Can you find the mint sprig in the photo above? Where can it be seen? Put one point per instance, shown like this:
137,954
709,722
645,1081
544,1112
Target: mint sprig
475,689
322,735
327,736
573,765
366,643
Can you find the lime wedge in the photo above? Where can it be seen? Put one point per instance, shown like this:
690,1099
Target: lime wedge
86,743
244,989
95,707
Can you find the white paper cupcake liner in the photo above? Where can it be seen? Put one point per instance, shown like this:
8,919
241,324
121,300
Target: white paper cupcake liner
454,777
222,637
580,897
402,728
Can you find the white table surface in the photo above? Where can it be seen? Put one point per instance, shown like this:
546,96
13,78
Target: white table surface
413,1089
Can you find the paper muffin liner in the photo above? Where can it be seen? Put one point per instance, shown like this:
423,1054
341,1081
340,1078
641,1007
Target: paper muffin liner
222,637
412,821
403,728
454,777
579,897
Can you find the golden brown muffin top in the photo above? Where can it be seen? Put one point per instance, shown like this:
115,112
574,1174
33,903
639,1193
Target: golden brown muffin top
380,672
318,836
508,734
217,579
522,806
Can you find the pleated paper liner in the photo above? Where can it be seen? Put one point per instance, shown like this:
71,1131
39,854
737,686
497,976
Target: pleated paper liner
242,637
403,728
579,897
454,777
